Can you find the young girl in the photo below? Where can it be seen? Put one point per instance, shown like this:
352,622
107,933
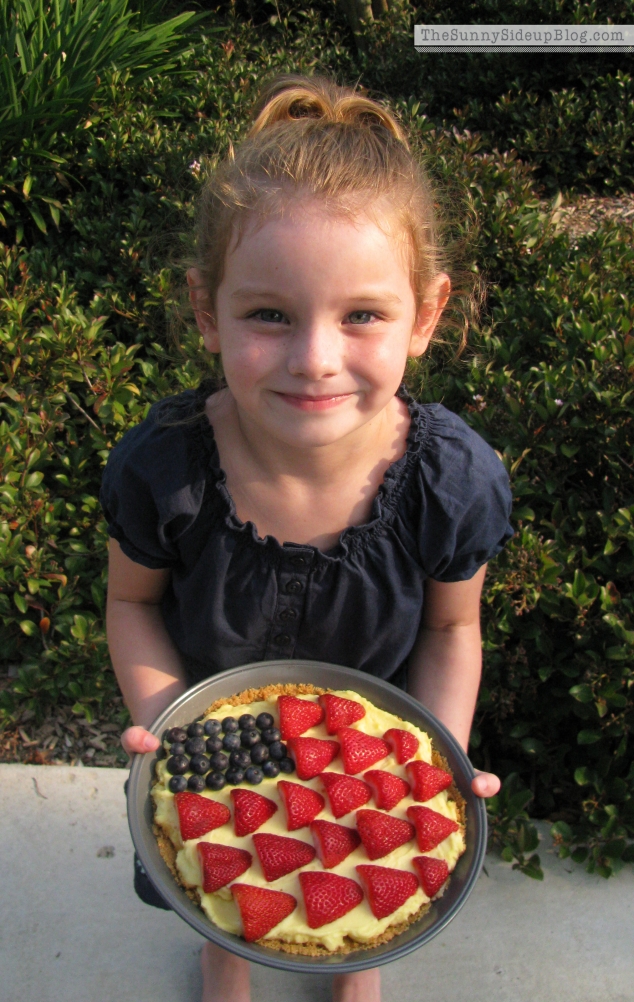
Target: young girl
310,508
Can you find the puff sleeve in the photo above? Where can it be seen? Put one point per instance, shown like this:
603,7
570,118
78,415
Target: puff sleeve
465,500
152,491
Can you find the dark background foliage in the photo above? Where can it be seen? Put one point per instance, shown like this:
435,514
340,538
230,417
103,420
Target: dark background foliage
91,292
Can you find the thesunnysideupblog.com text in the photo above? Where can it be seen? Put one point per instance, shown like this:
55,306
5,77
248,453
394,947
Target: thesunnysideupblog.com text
524,37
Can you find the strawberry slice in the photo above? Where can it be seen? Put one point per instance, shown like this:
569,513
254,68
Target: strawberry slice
279,855
359,750
387,788
427,780
297,715
250,811
382,833
327,896
402,744
333,842
198,815
261,909
431,827
340,712
220,864
385,888
344,792
311,755
432,873
302,804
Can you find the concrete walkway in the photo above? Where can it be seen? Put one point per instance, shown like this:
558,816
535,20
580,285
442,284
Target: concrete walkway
72,929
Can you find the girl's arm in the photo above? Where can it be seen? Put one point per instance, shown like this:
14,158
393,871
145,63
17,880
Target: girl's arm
145,661
446,662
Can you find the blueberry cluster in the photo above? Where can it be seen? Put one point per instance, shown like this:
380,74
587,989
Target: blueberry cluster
229,751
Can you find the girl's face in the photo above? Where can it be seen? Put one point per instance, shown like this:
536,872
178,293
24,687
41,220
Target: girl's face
314,319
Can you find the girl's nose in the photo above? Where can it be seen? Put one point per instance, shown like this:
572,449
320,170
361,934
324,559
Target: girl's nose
315,352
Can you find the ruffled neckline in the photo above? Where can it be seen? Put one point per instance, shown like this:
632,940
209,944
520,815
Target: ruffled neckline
385,502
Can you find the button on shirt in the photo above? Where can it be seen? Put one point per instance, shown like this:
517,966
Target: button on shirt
441,512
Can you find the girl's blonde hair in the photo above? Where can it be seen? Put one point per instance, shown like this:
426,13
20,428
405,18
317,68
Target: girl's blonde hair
312,138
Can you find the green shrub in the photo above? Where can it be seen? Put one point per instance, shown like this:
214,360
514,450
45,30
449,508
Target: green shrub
570,116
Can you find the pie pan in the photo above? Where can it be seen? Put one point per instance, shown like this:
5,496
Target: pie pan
195,701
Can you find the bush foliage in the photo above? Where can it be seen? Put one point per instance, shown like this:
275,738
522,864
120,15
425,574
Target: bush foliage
89,300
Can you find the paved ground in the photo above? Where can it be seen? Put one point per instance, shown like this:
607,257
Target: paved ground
72,929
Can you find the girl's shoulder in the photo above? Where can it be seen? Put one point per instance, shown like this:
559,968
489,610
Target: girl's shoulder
154,481
454,499
452,457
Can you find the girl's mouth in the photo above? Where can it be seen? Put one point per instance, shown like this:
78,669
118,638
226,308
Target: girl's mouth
304,402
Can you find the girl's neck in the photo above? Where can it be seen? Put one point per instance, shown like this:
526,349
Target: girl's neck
305,496
383,437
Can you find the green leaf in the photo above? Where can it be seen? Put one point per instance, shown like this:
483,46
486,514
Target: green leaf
20,602
583,693
79,629
533,868
34,479
28,626
523,514
588,737
37,218
579,855
583,776
615,848
628,854
562,829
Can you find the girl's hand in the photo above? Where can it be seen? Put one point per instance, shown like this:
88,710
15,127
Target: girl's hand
138,741
485,784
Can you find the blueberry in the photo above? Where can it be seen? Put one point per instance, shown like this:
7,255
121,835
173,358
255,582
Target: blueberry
270,769
240,759
259,753
249,738
229,725
196,784
215,780
177,784
231,742
277,750
177,734
178,748
271,734
177,765
212,727
195,746
234,776
199,764
253,775
264,720
213,745
286,765
246,722
195,730
219,761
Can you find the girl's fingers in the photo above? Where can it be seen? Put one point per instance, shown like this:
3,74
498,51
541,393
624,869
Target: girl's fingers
485,784
137,741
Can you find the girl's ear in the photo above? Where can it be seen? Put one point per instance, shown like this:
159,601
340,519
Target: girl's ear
436,297
201,303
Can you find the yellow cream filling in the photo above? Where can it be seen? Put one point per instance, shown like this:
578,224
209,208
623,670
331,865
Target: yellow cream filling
359,924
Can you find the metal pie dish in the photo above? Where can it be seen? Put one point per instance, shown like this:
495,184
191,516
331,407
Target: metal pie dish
197,700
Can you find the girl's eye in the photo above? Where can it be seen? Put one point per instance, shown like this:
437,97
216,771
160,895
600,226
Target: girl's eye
269,316
360,317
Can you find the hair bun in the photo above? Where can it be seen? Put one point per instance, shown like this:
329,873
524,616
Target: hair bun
289,98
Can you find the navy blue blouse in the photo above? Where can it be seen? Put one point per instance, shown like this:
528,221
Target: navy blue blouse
441,512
